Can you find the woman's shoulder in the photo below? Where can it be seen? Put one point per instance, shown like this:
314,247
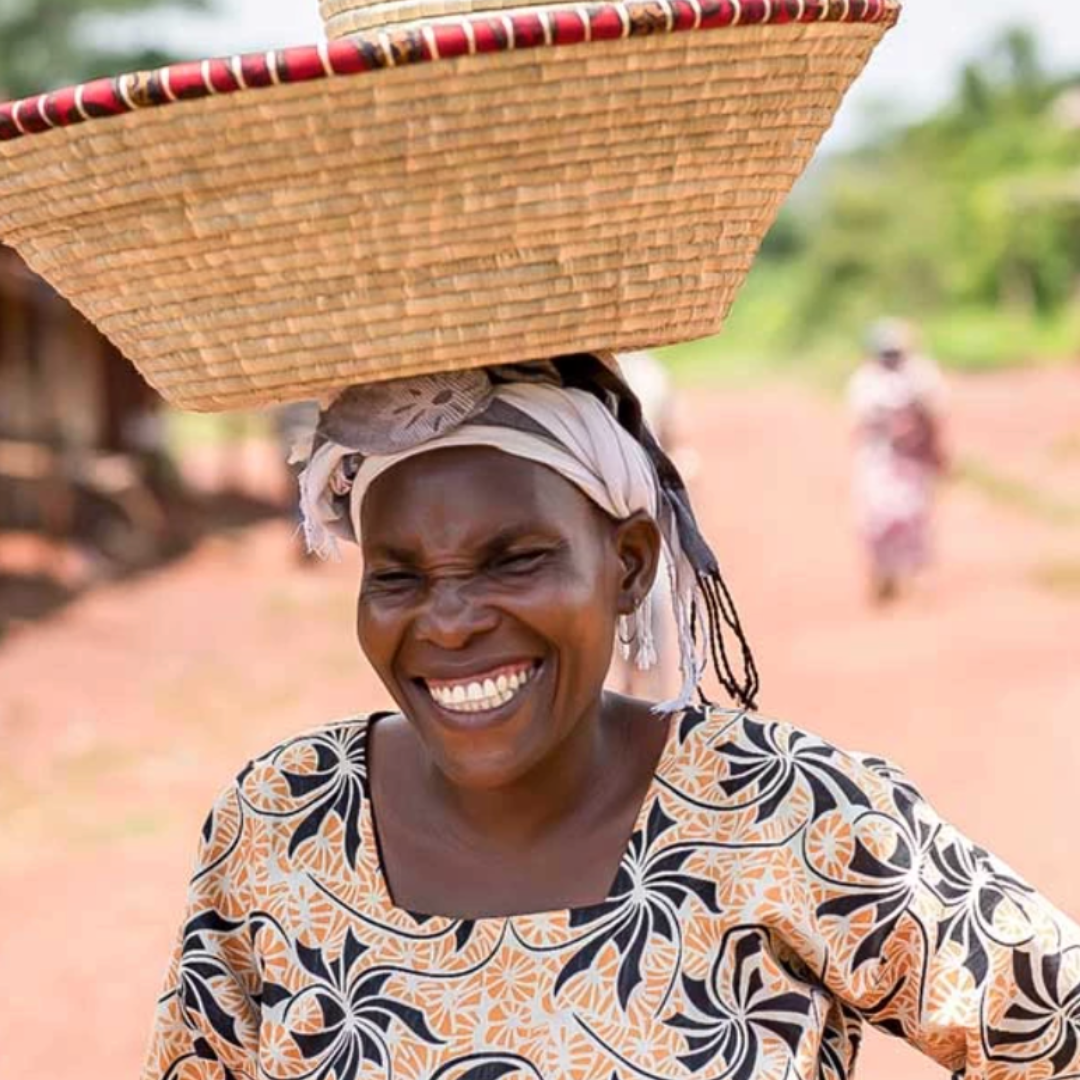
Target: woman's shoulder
733,760
286,798
329,734
320,762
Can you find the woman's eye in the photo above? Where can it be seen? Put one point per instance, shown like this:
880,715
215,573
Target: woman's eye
521,562
392,579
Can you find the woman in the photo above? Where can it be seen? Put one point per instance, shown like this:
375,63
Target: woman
518,874
895,398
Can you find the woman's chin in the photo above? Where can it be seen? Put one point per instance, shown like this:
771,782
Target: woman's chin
488,748
488,774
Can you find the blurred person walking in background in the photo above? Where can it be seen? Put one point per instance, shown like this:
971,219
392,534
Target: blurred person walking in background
896,398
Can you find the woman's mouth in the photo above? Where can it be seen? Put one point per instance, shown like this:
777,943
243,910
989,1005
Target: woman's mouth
484,691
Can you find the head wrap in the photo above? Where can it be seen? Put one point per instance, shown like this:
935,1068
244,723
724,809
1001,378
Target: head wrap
585,425
889,336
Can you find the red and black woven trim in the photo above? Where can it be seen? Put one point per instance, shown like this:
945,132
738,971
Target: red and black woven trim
418,43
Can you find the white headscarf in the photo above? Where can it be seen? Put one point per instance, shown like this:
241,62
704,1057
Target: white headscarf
576,433
587,446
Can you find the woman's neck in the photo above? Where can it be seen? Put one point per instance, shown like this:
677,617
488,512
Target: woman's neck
570,787
551,841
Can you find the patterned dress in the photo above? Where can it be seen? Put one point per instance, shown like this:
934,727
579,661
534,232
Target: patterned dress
775,893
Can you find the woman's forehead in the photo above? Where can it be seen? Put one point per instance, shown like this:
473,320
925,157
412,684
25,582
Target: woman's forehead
471,494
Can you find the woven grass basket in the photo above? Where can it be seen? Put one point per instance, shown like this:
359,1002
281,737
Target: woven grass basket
435,188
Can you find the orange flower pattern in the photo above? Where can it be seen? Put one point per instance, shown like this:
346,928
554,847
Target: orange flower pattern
775,893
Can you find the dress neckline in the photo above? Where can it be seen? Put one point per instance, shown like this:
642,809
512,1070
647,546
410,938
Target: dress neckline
373,846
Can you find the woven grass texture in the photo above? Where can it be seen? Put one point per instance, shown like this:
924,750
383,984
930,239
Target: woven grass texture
283,243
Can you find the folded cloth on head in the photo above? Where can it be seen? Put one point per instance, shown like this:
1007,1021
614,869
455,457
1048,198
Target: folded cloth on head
528,412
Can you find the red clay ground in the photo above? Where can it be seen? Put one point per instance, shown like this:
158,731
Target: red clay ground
123,715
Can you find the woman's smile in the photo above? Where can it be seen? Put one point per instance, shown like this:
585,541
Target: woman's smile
485,691
491,590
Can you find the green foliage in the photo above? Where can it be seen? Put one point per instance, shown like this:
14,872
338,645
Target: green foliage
1017,494
978,339
967,222
49,43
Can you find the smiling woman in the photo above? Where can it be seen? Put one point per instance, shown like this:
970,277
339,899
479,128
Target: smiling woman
481,567
521,875
517,874
472,575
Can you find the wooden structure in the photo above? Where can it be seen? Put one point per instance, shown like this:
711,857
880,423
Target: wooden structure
78,425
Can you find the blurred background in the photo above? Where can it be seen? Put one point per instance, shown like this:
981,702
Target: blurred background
159,624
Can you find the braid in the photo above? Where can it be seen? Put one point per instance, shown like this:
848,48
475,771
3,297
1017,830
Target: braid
718,617
722,617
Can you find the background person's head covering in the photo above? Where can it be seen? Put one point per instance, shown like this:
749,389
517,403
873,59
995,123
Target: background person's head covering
890,337
576,416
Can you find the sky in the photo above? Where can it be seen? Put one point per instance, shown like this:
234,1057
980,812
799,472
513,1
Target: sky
914,69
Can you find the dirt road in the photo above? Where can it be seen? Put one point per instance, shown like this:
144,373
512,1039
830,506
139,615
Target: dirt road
122,716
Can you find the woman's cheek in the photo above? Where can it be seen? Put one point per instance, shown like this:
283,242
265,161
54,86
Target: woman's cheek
556,610
379,633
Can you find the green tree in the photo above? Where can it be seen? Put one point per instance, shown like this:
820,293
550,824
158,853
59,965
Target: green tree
957,212
49,43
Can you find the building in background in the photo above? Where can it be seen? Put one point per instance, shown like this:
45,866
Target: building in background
82,454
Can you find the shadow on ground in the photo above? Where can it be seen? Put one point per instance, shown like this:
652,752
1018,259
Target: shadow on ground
39,575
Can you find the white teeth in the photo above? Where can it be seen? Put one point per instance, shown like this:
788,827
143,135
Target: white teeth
480,696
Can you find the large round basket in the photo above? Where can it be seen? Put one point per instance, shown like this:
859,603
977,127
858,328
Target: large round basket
425,195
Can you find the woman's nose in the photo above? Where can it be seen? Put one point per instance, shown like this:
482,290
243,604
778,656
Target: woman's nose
451,617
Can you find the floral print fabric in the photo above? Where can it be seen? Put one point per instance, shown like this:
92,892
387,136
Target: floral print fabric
775,893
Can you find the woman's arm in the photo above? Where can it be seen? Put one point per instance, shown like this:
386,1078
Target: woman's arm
933,939
207,1022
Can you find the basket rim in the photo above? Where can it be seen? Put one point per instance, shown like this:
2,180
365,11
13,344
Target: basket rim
549,25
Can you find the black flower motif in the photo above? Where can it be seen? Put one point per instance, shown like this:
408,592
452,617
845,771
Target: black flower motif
697,715
973,888
488,1066
735,1009
893,774
649,891
1043,1022
336,785
840,1041
887,884
841,1033
767,770
205,974
354,1014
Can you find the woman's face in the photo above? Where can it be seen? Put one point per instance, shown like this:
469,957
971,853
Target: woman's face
489,602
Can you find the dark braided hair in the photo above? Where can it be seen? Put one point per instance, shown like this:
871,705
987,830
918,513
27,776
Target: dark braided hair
720,617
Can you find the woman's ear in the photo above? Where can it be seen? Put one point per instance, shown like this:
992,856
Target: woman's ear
637,545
